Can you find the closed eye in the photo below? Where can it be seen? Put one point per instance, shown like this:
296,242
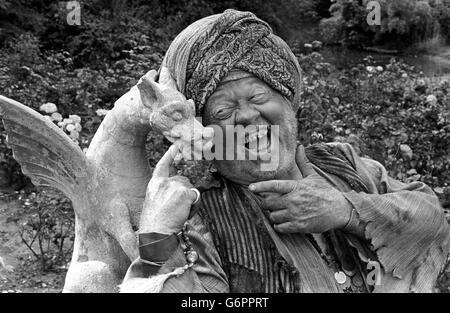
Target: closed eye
260,95
223,112
259,98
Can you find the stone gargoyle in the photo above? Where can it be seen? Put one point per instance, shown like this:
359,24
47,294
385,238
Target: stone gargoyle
107,184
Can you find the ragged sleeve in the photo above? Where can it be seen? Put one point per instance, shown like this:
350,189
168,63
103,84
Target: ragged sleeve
205,276
405,224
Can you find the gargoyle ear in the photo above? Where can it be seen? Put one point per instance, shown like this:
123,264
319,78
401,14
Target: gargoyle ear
151,93
191,106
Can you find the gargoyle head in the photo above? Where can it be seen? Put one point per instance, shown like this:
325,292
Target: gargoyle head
171,113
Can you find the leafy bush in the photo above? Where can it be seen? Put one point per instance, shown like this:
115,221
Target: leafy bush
17,17
46,227
402,118
403,23
442,13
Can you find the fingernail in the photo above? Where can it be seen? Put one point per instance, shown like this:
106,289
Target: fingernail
251,187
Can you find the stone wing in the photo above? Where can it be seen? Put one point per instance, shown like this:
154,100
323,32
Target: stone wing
45,153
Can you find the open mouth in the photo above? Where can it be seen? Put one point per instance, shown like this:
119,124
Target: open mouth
257,143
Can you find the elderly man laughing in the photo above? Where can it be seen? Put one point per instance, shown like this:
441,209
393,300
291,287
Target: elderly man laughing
324,220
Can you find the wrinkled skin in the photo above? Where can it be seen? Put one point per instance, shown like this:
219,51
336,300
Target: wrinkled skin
299,199
308,205
168,199
250,101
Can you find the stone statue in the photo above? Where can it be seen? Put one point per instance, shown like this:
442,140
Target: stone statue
107,184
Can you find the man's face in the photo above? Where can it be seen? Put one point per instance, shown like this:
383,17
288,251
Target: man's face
250,101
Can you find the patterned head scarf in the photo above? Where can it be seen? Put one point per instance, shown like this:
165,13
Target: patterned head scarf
214,47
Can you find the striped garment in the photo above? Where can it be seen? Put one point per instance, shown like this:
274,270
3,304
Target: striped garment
250,251
406,232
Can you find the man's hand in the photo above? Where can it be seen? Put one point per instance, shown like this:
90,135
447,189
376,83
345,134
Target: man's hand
310,205
168,199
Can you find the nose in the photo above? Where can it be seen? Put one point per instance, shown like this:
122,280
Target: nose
246,114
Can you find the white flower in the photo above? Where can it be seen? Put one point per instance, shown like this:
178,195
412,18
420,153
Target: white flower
404,75
406,151
74,134
101,112
370,69
56,117
317,44
379,68
48,108
65,121
75,118
70,128
431,99
439,190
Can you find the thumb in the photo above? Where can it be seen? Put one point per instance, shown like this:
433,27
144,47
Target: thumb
303,163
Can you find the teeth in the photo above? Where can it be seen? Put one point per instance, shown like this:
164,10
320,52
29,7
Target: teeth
262,133
252,137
